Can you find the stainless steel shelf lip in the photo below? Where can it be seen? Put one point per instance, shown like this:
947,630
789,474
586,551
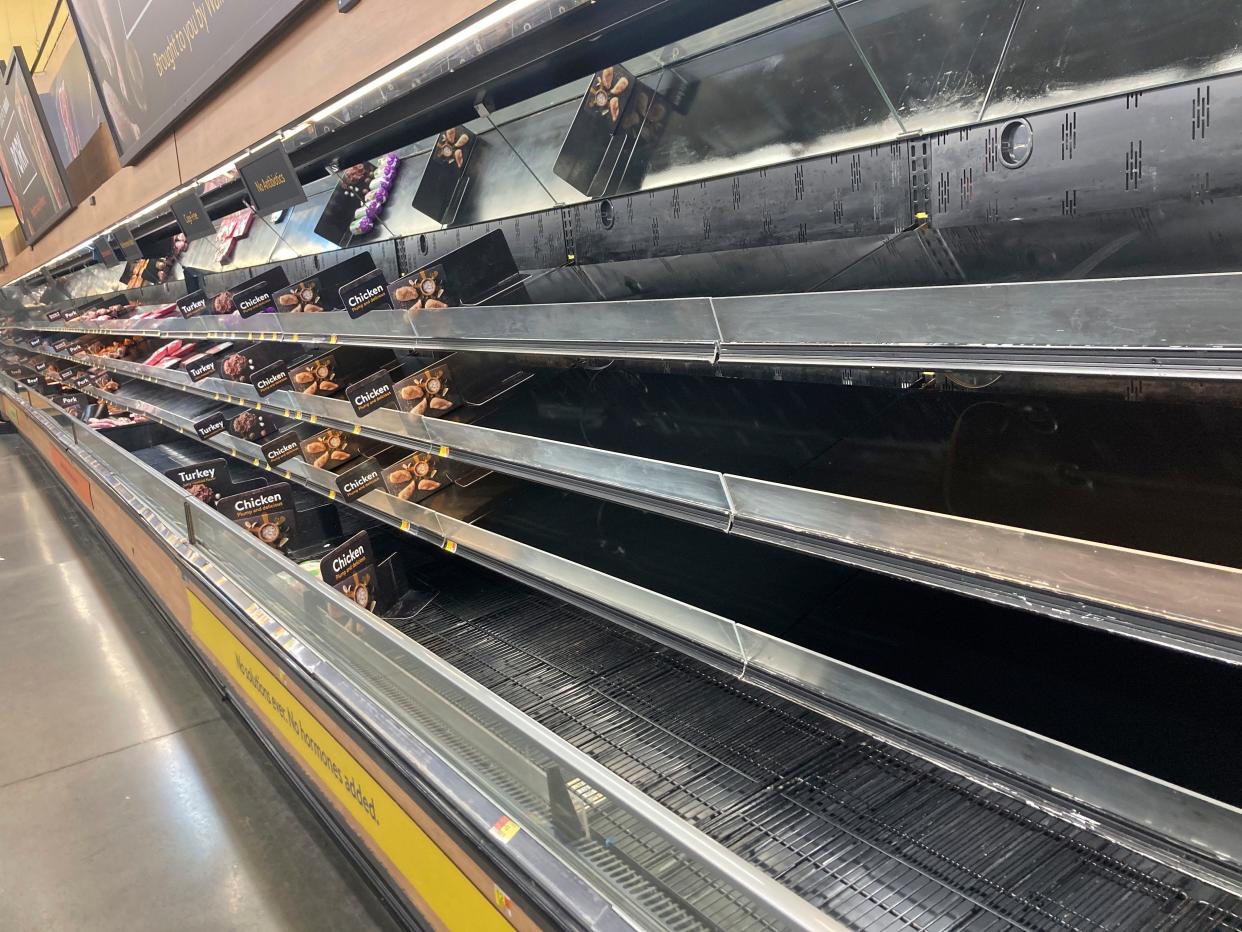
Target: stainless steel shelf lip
1161,326
585,586
581,585
1156,323
1178,604
1099,577
553,574
1140,362
681,491
696,493
378,328
634,349
680,328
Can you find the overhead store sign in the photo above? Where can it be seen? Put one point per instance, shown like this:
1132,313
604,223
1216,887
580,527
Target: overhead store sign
152,61
73,109
32,172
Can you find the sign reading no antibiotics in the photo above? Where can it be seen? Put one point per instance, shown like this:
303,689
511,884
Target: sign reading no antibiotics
271,180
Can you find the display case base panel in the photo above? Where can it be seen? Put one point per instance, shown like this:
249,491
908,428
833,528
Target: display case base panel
872,835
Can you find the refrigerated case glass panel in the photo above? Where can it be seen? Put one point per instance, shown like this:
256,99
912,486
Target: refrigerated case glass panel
796,91
934,58
1065,50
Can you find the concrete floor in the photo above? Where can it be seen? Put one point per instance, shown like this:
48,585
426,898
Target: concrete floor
131,796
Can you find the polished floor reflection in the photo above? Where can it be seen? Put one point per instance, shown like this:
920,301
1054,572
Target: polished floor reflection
131,797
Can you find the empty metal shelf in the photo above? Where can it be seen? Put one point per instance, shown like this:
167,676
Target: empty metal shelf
873,836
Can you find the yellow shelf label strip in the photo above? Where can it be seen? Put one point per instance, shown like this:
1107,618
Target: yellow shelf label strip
449,893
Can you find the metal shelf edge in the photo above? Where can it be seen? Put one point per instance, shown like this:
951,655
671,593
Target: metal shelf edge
1133,593
1159,326
1058,576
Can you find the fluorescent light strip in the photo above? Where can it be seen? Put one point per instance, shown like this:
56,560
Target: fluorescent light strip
150,208
64,255
435,51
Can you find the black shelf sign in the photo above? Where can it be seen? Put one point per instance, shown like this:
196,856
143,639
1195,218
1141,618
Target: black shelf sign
271,181
373,392
192,216
193,304
128,244
106,254
203,368
358,480
270,378
210,425
254,300
285,447
368,293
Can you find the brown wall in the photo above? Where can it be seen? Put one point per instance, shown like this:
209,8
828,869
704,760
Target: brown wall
23,22
320,54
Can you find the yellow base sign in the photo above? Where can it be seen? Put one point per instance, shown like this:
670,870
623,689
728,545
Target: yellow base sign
448,893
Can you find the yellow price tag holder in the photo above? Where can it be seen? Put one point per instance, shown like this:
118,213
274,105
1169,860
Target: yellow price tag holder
505,829
450,546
